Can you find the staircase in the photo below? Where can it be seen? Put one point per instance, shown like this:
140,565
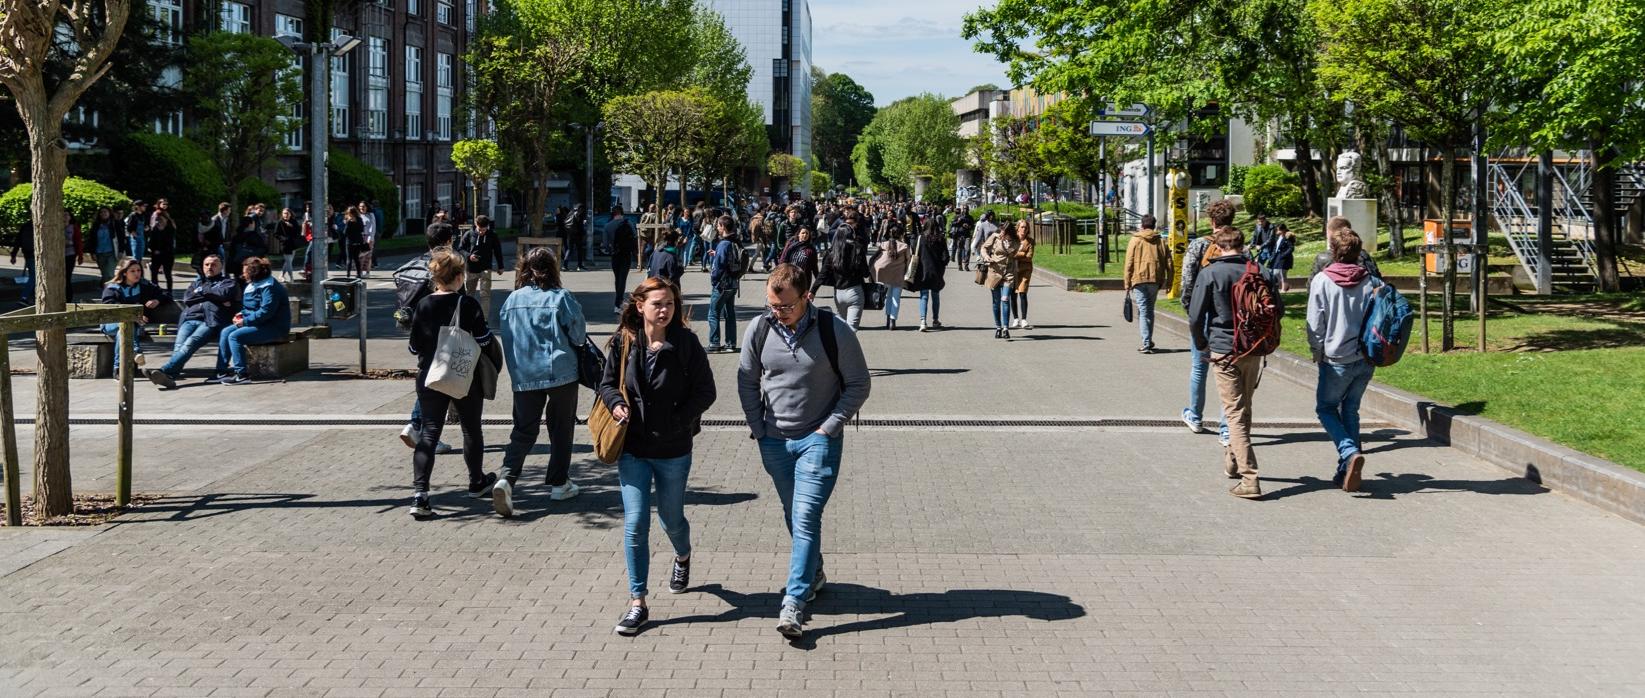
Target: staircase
1571,262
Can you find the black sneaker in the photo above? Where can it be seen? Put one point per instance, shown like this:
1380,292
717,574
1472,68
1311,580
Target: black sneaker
633,620
680,578
482,488
420,508
219,378
161,378
237,379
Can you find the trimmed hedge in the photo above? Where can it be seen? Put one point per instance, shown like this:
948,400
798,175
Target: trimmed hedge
1273,190
349,181
255,191
154,166
81,198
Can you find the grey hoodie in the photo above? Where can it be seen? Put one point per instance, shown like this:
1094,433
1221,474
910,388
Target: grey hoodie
1338,299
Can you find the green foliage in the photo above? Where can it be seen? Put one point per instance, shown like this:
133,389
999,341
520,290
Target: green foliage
821,183
784,165
840,110
733,137
478,158
654,133
248,85
1236,179
255,191
81,198
721,66
350,181
1271,190
915,134
985,87
153,166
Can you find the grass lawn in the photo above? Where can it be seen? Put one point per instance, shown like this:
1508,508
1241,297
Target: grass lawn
1570,369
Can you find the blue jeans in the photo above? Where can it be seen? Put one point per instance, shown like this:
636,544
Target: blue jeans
635,476
138,246
190,335
1001,298
28,271
934,298
1196,386
1336,401
722,310
893,302
804,471
1142,296
112,329
231,346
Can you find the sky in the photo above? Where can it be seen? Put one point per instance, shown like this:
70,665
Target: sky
898,48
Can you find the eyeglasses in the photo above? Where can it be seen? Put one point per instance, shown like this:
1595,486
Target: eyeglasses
783,309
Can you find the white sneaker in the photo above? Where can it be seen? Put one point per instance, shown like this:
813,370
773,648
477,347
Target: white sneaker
564,492
408,437
502,498
923,328
1026,325
442,448
138,359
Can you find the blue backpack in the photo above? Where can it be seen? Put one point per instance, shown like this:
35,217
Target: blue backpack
1388,322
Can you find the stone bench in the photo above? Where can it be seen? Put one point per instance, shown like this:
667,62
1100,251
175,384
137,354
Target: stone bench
283,358
91,355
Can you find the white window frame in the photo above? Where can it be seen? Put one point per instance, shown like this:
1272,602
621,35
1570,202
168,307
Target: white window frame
287,25
414,92
443,195
444,91
340,112
235,17
469,14
414,7
170,14
443,11
170,124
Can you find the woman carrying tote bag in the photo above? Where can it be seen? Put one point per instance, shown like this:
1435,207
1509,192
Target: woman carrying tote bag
439,323
658,380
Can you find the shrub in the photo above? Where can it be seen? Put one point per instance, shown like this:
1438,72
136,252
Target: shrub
81,198
1272,190
152,166
1236,179
350,181
255,191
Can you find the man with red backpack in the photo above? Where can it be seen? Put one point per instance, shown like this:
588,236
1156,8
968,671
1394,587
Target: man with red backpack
1234,317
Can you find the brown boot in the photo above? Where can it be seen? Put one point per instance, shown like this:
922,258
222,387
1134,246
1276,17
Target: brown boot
1230,468
1356,464
1247,489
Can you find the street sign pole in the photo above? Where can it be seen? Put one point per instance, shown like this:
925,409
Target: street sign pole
1151,180
1101,246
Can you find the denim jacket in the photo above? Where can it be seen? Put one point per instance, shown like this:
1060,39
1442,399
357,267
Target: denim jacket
264,304
541,331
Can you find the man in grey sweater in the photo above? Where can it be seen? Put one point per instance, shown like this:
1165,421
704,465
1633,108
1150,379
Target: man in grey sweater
1338,299
801,377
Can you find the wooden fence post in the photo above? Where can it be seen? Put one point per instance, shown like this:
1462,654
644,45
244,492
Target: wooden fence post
8,425
128,369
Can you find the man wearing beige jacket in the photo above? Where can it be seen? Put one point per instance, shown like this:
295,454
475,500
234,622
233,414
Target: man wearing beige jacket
1147,268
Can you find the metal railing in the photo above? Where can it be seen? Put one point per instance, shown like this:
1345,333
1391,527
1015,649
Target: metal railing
1516,214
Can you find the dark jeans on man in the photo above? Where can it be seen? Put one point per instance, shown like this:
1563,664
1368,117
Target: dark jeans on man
433,404
558,405
619,269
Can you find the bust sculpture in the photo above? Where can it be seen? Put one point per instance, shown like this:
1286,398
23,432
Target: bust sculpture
1349,184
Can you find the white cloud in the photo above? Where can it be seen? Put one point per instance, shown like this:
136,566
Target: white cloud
900,48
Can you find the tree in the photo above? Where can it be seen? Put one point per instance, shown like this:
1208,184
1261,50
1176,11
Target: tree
523,65
478,158
919,133
1428,65
1065,144
721,66
985,87
654,133
840,110
1571,62
246,84
821,182
733,138
28,29
782,166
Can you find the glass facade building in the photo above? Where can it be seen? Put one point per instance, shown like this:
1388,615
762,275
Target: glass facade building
776,35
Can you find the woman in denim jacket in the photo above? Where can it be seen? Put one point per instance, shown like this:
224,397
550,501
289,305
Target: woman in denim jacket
264,318
541,325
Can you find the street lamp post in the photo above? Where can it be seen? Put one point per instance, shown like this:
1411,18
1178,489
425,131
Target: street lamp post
319,141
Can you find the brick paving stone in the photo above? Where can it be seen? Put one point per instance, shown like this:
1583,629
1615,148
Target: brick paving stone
963,561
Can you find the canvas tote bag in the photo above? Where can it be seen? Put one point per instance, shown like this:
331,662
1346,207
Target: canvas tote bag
455,354
609,433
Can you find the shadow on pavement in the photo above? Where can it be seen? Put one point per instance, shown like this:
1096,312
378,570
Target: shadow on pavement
1390,485
889,372
904,610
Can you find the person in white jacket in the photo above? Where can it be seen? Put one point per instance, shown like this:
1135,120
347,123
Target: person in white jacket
1338,299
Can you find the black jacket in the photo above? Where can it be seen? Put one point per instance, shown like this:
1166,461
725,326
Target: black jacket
933,263
621,234
851,268
1211,313
665,263
665,405
211,300
488,248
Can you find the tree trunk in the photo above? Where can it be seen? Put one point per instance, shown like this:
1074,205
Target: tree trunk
53,484
1308,176
1605,219
1447,315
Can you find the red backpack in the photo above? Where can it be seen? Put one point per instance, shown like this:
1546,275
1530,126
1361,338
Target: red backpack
1256,315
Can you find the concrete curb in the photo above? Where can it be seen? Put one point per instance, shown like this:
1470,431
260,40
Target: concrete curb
1597,481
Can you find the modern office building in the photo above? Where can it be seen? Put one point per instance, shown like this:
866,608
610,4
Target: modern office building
394,99
776,35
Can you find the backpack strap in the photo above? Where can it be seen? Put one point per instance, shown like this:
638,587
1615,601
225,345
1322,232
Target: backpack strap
831,344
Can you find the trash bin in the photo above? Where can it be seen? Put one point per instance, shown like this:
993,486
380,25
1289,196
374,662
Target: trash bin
344,298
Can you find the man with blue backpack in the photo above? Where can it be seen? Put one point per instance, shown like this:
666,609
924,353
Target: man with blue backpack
1355,323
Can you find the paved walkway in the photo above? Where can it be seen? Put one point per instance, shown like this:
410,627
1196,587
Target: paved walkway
963,559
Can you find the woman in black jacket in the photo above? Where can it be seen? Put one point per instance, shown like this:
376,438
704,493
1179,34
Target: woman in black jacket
354,241
928,273
289,231
446,306
667,385
128,287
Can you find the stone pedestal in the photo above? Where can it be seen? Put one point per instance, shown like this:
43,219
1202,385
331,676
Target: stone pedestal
921,184
1362,214
279,360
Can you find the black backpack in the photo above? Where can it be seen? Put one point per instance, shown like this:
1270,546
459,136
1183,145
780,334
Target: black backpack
825,330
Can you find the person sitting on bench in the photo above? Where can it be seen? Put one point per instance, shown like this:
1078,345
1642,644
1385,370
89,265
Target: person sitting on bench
264,318
209,305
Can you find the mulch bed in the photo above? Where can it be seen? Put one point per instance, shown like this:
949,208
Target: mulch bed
89,510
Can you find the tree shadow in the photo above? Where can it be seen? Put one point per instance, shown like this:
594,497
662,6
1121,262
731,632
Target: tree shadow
905,610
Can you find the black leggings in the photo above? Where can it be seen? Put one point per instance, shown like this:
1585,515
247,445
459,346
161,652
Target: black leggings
1019,304
529,412
619,269
433,404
